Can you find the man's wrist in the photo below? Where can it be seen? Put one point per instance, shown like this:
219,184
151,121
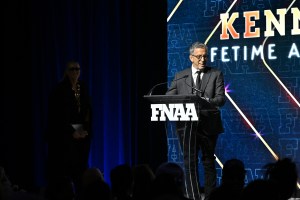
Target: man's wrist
205,98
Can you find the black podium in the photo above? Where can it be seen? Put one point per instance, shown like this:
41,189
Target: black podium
167,99
161,140
173,98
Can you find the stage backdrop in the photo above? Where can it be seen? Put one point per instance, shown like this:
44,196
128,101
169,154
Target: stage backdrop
257,46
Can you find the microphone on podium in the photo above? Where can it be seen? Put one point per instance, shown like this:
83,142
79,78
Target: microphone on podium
194,88
150,92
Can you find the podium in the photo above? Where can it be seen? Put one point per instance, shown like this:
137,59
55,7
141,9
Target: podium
172,98
181,120
170,145
168,99
176,107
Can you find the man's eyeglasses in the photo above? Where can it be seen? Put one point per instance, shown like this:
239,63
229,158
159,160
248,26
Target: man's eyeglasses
74,69
199,57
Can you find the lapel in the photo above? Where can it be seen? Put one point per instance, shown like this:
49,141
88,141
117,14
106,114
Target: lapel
205,79
190,81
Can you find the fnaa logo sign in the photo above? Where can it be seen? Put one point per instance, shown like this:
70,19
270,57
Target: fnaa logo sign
174,112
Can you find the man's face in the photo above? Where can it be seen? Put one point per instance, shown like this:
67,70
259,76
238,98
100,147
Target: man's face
73,71
199,58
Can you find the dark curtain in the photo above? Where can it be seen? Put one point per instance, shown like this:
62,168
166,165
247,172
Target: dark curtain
121,47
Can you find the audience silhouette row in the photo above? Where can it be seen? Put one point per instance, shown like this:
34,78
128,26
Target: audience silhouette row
140,182
279,183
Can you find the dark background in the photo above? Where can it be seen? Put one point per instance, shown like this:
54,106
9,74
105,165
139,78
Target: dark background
122,49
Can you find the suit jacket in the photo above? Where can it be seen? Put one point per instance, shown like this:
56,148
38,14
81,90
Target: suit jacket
213,88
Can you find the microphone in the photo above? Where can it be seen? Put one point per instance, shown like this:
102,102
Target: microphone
200,91
150,92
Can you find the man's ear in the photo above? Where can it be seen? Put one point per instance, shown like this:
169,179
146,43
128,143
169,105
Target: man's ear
191,58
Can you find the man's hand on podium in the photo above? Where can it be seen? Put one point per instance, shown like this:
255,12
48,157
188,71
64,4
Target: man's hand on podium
205,98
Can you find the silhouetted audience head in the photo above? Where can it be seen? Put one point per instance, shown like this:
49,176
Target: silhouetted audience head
9,191
233,173
121,178
61,189
90,175
93,186
96,190
169,181
5,182
143,177
284,173
260,189
232,183
172,169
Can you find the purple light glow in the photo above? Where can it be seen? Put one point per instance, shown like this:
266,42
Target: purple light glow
227,88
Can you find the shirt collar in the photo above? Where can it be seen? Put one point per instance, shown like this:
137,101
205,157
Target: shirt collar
194,70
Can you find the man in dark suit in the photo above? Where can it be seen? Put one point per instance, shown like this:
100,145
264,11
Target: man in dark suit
202,134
